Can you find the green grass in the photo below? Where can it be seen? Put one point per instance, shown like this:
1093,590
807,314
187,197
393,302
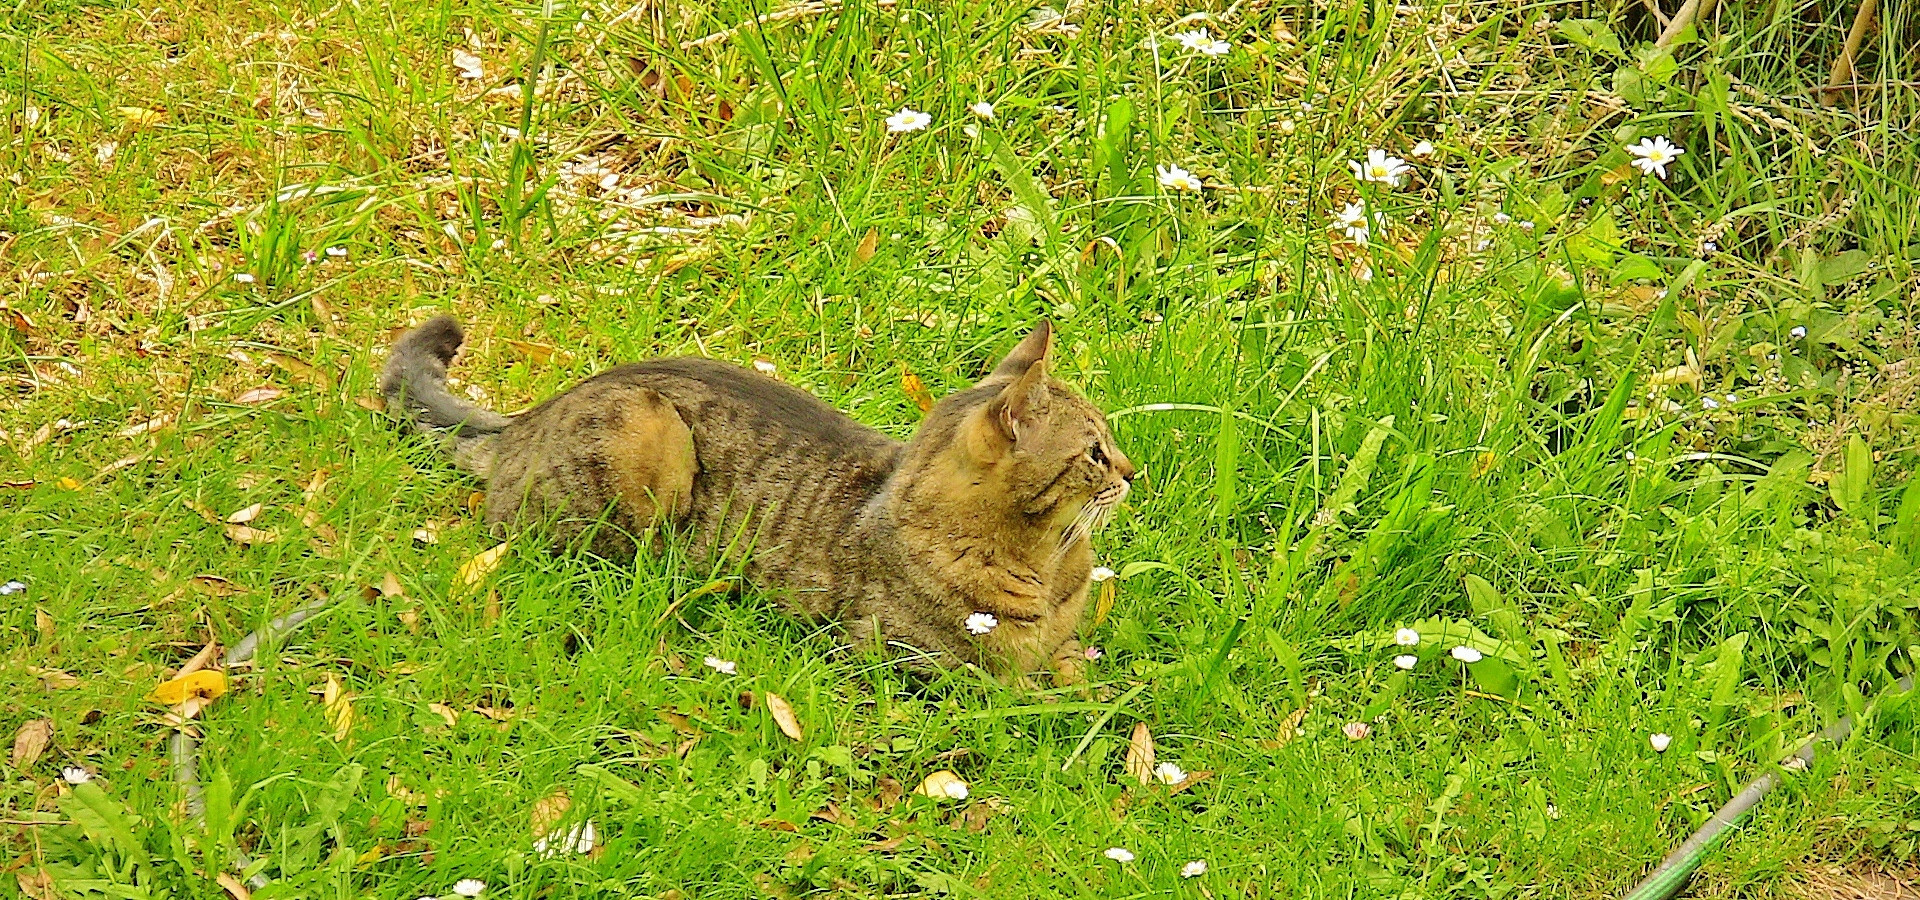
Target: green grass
1486,437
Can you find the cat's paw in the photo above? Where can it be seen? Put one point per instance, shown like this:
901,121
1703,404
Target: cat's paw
1069,665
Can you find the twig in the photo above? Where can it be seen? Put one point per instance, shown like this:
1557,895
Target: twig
1693,12
1843,64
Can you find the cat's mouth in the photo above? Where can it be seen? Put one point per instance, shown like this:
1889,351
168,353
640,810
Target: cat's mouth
1096,513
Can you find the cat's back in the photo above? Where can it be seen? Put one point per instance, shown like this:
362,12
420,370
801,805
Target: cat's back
726,404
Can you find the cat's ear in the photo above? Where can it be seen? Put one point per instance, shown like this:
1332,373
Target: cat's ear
1022,403
1027,354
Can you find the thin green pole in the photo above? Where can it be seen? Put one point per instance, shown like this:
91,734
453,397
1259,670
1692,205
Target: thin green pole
1666,879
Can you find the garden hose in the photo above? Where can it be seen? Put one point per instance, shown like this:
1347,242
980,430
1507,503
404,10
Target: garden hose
1671,875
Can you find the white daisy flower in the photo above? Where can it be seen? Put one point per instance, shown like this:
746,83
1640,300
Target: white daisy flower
1424,148
467,65
1525,224
723,666
1709,403
983,109
982,622
1660,741
1195,39
469,887
104,153
1194,869
908,119
1176,178
1797,332
1118,854
75,775
1406,637
1352,222
1356,731
1501,218
1215,48
1378,166
244,277
1653,155
1406,662
337,252
1099,573
1169,773
12,587
579,839
1466,654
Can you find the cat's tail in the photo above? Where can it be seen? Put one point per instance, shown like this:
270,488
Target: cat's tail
415,384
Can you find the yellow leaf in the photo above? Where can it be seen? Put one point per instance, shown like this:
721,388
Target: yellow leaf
53,679
339,708
140,116
864,251
205,683
917,392
445,712
1140,754
943,785
783,715
476,570
1103,604
69,483
243,516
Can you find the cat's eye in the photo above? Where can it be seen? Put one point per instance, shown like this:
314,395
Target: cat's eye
1098,455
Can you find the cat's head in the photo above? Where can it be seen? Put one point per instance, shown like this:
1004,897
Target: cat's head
1024,445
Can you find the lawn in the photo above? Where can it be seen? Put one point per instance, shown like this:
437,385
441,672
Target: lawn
1628,448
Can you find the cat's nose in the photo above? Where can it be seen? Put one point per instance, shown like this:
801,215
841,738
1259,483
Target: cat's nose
1124,467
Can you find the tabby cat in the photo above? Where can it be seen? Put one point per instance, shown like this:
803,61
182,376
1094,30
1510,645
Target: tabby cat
988,509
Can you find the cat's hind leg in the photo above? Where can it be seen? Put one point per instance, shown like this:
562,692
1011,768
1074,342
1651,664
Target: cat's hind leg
650,451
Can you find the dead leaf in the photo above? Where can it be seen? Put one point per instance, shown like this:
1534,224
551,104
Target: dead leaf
43,623
243,516
398,790
202,510
259,395
215,586
915,391
475,570
1192,779
36,884
783,715
447,713
233,885
390,586
866,248
339,707
490,611
943,785
498,714
53,679
31,741
1289,729
428,533
246,534
371,403
205,683
548,811
680,722
833,813
410,620
151,425
1140,754
538,353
